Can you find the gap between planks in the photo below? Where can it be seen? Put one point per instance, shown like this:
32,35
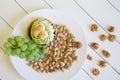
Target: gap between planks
87,74
21,7
113,6
93,18
2,49
48,4
6,22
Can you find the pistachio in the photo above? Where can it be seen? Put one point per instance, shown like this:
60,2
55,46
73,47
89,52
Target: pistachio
61,53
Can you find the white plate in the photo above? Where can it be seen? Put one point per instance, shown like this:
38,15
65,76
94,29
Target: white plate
59,17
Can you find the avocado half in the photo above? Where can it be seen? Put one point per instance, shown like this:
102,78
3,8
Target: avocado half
47,28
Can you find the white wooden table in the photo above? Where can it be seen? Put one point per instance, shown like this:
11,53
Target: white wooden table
86,12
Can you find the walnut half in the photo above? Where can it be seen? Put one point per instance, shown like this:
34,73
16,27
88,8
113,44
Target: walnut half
94,27
102,37
111,28
105,53
111,37
94,45
95,71
102,63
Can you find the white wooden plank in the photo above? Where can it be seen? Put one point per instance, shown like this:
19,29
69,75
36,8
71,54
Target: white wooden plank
81,76
103,13
7,72
115,4
5,30
33,5
85,22
11,12
89,65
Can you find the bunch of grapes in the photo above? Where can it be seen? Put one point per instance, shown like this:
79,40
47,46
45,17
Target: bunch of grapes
23,48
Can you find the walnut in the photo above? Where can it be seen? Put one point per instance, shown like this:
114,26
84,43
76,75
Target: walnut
94,27
95,71
111,28
111,37
94,45
102,63
89,57
102,37
105,53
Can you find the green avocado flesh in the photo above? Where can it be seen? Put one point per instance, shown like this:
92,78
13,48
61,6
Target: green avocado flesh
48,27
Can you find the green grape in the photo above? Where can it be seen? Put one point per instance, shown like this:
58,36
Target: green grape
33,53
22,55
17,51
27,52
30,57
29,43
23,47
9,39
8,51
41,56
18,38
36,50
7,45
34,45
13,52
20,43
36,58
31,47
12,41
25,40
44,50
